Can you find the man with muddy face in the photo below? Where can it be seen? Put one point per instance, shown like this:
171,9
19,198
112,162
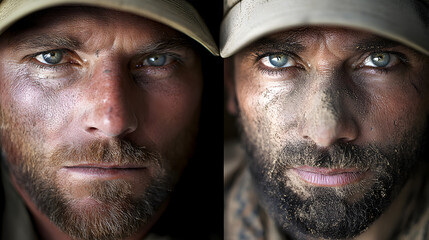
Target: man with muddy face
333,119
99,113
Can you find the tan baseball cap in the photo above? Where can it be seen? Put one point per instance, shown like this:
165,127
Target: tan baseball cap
248,20
177,14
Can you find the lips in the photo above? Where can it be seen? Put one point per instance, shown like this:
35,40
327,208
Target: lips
329,177
102,170
106,166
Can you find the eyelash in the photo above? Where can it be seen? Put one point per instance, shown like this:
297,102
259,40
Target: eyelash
176,59
277,71
54,67
403,60
293,69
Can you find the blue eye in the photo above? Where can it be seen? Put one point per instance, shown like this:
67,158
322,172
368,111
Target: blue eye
156,60
51,57
278,60
380,59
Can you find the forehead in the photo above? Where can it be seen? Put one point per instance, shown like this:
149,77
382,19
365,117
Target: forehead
83,22
59,16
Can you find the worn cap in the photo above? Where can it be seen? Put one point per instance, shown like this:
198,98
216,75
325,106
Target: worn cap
245,21
177,14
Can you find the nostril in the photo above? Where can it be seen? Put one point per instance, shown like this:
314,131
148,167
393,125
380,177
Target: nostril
347,139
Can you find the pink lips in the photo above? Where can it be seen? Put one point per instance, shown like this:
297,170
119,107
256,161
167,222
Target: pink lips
89,170
328,177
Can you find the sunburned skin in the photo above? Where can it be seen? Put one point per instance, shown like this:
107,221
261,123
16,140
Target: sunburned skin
331,137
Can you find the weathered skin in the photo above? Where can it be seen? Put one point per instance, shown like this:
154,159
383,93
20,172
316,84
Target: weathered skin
329,107
82,109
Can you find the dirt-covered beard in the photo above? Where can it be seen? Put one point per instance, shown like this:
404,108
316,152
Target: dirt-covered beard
116,212
305,211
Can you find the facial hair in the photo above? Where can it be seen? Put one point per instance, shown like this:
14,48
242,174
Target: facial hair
304,211
116,213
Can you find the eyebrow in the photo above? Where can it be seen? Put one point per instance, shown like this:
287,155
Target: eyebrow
289,44
293,45
56,41
47,41
166,44
374,43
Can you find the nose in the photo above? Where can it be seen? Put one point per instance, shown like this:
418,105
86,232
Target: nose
326,119
110,111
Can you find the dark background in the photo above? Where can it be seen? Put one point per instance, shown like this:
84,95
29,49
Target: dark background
196,206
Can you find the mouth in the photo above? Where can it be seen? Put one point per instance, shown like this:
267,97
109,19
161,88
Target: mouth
326,177
104,170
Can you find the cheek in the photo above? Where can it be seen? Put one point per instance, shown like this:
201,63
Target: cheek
172,110
172,124
396,107
37,112
268,109
393,113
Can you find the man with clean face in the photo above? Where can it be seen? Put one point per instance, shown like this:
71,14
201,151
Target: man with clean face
332,100
100,105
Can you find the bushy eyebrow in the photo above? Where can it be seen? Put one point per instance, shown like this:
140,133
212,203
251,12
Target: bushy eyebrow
46,41
165,45
282,45
294,43
371,44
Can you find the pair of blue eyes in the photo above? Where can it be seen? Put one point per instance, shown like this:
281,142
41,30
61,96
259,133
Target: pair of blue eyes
56,56
381,59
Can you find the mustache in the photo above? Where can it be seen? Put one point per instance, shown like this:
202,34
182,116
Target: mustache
118,151
341,155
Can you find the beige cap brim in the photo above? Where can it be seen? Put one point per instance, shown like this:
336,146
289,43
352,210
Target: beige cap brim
177,14
250,20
